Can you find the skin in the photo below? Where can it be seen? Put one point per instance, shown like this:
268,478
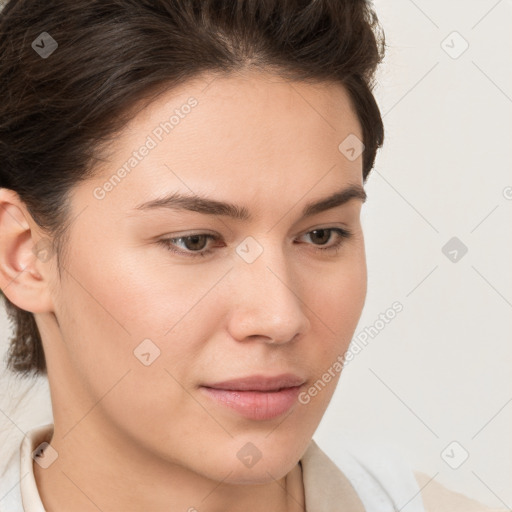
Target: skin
133,437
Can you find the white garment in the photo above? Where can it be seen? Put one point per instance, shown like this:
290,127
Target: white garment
380,487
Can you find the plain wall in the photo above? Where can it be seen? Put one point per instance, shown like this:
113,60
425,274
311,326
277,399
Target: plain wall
439,371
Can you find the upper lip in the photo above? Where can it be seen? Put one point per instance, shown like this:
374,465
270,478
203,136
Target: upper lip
259,383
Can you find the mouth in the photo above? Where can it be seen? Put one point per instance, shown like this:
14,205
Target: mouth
256,397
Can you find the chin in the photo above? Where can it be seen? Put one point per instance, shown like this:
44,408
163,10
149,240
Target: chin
258,462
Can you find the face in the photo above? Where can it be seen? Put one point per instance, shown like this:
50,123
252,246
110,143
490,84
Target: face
156,305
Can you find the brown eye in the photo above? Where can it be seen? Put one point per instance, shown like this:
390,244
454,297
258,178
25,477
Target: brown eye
190,245
322,235
195,242
320,238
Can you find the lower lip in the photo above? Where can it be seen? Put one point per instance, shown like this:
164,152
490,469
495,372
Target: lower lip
256,405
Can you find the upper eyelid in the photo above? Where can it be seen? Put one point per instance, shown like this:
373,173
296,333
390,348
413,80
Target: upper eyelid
212,236
186,234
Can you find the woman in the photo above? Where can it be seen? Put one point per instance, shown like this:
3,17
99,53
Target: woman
182,252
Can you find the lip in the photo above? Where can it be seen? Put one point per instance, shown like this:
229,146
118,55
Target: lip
259,383
257,397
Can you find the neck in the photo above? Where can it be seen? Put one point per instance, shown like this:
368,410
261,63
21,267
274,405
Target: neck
108,473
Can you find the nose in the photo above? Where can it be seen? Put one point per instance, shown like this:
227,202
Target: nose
266,302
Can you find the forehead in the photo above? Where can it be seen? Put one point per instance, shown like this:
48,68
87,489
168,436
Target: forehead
245,131
245,106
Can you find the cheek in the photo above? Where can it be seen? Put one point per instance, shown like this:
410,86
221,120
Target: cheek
111,304
335,312
341,296
103,326
137,290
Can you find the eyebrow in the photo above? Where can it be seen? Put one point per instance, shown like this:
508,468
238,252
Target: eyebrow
194,203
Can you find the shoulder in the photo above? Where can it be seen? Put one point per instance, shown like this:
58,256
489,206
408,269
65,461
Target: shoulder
437,498
367,480
10,494
376,479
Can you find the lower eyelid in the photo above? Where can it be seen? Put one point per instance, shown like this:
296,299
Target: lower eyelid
343,233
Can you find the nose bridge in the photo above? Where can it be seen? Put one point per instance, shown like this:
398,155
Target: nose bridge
266,302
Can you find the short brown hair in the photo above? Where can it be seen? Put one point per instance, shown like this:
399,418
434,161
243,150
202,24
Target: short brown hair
57,112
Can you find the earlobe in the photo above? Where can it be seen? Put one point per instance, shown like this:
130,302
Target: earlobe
24,256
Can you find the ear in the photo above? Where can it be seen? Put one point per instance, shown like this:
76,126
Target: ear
26,257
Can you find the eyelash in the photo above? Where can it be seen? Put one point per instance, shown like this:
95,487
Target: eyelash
344,234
